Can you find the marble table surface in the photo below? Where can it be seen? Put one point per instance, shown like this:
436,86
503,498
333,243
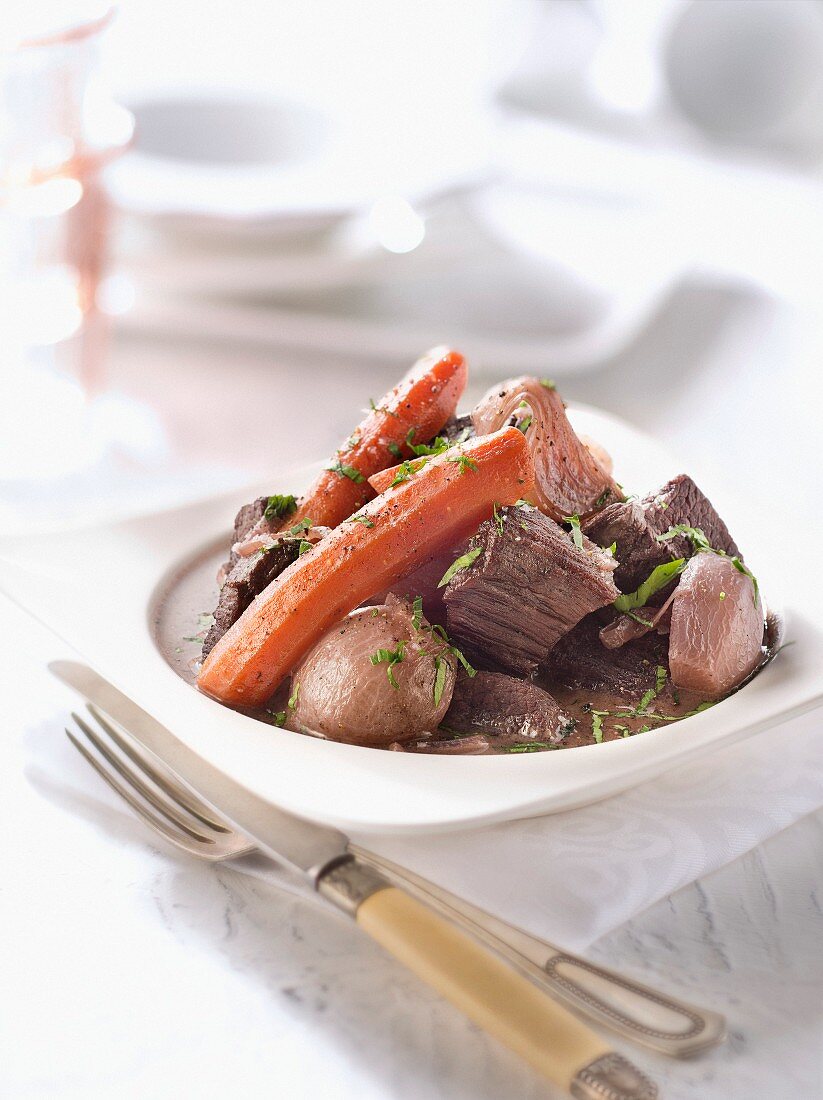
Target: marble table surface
129,970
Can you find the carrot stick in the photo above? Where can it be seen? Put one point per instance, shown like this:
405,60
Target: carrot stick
390,537
421,403
382,480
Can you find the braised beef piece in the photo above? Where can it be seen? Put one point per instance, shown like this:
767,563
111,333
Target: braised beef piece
580,660
247,578
510,709
634,525
457,429
528,586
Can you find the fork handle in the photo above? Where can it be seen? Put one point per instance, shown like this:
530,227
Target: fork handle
490,992
638,1012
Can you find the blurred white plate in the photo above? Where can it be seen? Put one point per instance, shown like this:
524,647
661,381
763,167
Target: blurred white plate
99,589
245,164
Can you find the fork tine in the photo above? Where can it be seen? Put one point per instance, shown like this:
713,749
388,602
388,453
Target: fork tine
190,843
175,790
167,809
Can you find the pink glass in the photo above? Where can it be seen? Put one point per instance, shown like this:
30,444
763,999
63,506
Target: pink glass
58,130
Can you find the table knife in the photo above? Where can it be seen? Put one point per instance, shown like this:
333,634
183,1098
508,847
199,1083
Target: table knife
489,991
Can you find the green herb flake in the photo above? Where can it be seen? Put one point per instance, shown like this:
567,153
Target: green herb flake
392,657
351,472
292,703
612,550
528,746
303,548
638,619
301,527
417,616
648,696
464,462
657,579
440,667
280,505
694,534
498,518
577,534
548,383
604,496
722,595
278,717
395,450
597,725
463,562
660,680
362,519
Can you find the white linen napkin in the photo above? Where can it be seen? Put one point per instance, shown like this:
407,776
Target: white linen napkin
569,877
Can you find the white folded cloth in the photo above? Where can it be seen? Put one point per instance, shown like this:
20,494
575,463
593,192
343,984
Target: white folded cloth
569,877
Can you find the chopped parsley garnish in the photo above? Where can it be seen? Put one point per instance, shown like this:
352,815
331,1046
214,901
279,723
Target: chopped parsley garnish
436,447
693,534
498,518
547,382
392,657
351,472
577,534
524,424
612,549
406,469
353,441
464,462
701,544
722,595
292,703
395,450
637,619
301,527
440,632
280,505
660,679
657,579
278,717
440,668
604,496
303,547
648,696
417,615
463,562
528,746
597,724
362,519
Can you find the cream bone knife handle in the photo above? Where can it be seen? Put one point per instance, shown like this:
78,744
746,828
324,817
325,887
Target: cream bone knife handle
612,1000
489,991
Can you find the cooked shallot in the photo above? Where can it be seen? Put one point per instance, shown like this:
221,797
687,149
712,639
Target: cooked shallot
569,479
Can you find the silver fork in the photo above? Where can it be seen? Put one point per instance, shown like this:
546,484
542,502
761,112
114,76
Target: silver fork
163,801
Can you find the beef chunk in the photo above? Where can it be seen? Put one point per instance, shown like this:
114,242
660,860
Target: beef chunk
514,710
528,586
246,579
580,660
635,525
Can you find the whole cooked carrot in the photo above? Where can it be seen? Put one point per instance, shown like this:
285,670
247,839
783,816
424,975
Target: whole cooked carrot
389,538
416,408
